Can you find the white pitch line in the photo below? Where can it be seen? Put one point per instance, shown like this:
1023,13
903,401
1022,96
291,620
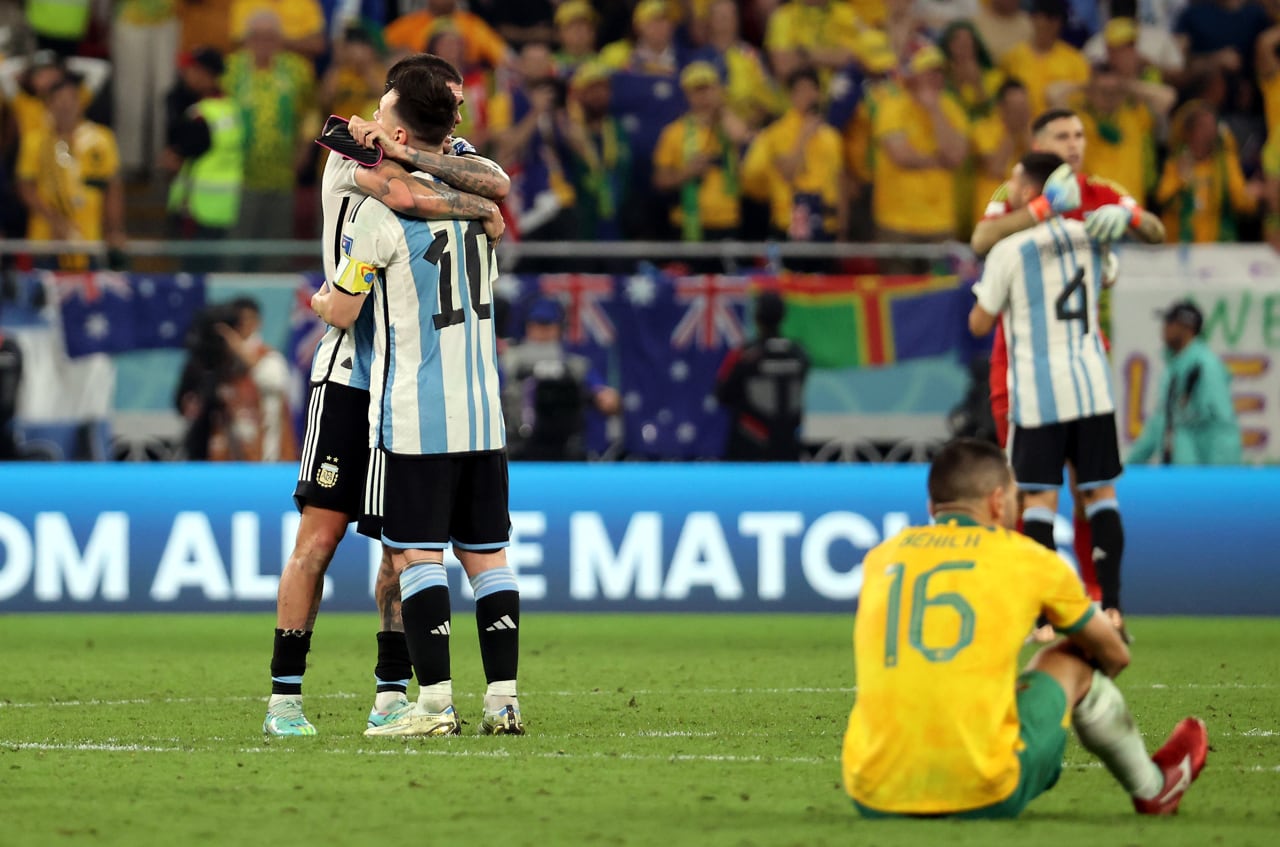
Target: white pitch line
534,693
88,746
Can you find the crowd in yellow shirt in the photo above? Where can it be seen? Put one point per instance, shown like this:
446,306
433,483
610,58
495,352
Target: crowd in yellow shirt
878,137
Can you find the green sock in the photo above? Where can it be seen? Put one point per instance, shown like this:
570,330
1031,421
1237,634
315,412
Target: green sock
1106,729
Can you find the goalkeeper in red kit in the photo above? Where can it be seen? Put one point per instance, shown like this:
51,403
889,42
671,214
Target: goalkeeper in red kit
1109,214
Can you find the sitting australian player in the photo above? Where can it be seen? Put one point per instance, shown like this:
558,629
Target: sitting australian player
943,724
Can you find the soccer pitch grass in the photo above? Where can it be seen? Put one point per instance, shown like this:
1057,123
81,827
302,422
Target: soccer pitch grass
644,729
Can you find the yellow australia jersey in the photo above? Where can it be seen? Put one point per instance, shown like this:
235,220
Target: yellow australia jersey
941,619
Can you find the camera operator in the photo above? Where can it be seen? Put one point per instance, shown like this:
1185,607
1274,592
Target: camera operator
216,395
546,391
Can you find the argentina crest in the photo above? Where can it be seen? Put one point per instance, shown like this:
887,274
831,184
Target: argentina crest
327,473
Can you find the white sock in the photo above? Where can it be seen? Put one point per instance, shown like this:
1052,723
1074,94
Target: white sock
499,694
384,700
280,698
1106,729
434,698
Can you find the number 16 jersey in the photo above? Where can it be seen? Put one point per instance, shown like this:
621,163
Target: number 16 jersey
1046,282
434,380
941,619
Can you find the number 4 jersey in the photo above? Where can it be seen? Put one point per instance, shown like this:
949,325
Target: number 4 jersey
941,619
1046,282
434,378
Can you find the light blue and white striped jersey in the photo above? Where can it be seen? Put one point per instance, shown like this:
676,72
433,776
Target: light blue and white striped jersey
342,356
435,352
1045,282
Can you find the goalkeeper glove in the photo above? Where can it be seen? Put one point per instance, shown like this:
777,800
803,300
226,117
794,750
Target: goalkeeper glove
1108,223
1061,194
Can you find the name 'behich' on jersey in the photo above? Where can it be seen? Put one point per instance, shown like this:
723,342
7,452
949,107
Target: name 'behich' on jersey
435,366
1046,282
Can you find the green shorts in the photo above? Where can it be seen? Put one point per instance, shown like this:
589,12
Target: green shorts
1042,705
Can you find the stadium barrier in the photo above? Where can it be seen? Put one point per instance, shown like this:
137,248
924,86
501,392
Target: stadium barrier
627,537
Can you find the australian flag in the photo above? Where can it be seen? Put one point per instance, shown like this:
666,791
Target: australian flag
678,334
104,312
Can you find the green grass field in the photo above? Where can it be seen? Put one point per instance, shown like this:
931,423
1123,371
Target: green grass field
643,730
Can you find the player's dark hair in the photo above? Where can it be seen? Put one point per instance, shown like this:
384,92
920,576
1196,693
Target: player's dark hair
967,469
1038,165
425,61
426,106
770,309
1046,118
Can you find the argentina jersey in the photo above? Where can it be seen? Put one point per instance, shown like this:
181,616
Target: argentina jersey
435,369
1046,283
343,357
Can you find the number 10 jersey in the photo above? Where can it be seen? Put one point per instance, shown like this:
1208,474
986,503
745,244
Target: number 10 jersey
434,378
1046,282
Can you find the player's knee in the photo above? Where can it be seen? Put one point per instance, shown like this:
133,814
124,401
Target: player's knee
317,543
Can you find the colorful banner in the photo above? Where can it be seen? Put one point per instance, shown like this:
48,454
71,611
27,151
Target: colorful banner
630,537
1238,289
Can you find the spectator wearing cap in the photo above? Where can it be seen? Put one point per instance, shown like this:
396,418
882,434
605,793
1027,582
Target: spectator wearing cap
1151,46
761,385
818,33
1003,25
698,159
1194,419
920,138
972,78
653,50
999,140
749,90
144,44
796,166
601,162
575,22
1045,59
274,89
879,65
1120,115
531,129
484,45
547,391
206,152
1202,189
301,23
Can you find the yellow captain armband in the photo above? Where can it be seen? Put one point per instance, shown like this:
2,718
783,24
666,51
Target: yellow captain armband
355,277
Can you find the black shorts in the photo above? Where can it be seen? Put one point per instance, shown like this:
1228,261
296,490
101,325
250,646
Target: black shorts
431,502
1089,444
335,450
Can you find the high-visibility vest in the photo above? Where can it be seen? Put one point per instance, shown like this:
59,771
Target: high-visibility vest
67,19
208,187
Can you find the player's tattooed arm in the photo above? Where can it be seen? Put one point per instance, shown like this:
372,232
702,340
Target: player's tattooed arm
399,191
472,174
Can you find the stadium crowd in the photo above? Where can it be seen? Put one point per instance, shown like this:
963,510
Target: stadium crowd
805,120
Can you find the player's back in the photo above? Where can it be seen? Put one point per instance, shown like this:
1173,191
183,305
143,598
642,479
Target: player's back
342,356
435,347
941,619
1057,359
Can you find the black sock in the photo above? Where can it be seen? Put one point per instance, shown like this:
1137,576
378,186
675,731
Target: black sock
394,670
426,632
289,660
1037,524
1108,549
498,622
